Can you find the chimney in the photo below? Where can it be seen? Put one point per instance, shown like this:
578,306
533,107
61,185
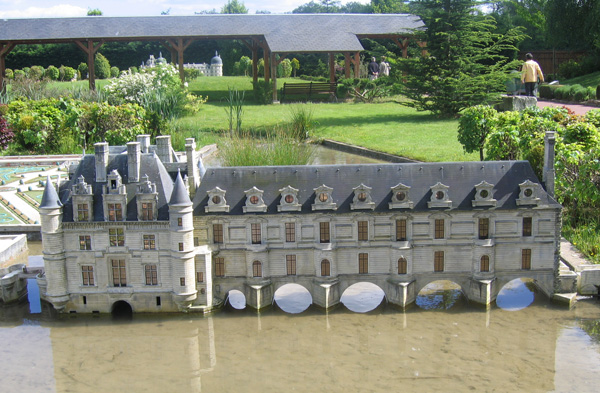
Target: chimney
144,141
101,153
192,168
134,155
548,175
163,148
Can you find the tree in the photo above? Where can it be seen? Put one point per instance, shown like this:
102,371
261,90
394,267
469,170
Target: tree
295,65
94,12
475,124
388,6
234,7
101,66
465,63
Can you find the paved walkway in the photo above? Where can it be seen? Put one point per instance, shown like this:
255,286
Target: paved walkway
577,108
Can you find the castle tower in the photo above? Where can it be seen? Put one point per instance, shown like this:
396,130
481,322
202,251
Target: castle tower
53,247
182,245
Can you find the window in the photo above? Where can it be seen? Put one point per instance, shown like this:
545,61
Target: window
200,276
180,246
151,275
115,213
179,221
182,281
85,242
256,269
324,232
438,261
484,264
290,262
402,265
196,241
118,273
363,231
255,232
149,242
527,226
116,237
363,263
401,230
87,274
325,268
218,233
147,211
219,267
484,228
290,232
83,212
526,259
439,229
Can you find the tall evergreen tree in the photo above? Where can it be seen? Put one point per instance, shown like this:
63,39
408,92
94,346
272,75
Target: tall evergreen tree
466,62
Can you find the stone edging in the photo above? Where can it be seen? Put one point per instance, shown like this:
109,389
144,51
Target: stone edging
361,151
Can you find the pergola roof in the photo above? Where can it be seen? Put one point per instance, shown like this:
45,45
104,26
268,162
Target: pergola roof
283,33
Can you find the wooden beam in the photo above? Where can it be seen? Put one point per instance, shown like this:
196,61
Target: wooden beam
254,61
402,45
179,45
274,64
423,46
4,50
90,49
347,63
267,57
331,68
357,65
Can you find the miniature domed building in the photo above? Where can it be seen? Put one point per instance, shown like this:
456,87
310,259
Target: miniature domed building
216,66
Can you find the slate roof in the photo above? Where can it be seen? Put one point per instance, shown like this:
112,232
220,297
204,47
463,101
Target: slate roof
150,165
179,196
50,198
283,33
461,178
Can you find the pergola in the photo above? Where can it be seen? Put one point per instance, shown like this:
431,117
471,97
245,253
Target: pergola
276,35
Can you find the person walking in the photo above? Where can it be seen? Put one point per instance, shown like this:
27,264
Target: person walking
530,75
384,67
373,69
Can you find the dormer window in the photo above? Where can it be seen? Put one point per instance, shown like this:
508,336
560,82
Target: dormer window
114,199
439,196
289,200
254,201
115,184
401,197
362,198
216,201
484,195
147,200
82,201
528,194
324,199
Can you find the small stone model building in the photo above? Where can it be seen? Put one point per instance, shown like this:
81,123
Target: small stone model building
215,68
147,228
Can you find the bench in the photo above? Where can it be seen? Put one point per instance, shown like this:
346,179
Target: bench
309,89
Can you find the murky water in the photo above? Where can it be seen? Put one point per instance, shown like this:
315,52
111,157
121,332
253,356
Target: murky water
539,348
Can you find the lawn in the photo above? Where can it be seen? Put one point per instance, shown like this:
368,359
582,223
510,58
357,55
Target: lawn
592,79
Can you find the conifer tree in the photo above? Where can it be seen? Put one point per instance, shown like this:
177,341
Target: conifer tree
466,63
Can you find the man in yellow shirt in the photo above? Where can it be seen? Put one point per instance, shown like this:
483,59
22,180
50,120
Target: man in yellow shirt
530,74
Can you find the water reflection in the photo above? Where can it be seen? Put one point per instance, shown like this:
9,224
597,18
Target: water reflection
293,298
516,295
362,297
440,295
237,299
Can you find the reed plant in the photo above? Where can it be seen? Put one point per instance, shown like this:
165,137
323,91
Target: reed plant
302,121
235,111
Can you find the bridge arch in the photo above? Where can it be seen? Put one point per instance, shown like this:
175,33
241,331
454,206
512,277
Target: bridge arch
363,296
518,293
293,298
121,310
235,299
440,294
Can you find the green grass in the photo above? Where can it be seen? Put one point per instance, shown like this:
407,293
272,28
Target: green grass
592,79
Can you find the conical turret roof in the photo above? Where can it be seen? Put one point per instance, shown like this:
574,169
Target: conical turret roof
50,198
180,196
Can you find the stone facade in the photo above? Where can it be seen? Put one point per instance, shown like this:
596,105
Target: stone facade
255,229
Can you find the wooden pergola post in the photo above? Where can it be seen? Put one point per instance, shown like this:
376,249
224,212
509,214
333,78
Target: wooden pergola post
402,45
179,46
347,61
331,67
357,65
4,50
90,49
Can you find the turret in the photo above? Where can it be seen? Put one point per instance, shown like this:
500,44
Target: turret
182,245
53,247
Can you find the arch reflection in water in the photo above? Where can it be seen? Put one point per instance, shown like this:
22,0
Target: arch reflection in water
439,295
516,294
236,299
362,297
293,298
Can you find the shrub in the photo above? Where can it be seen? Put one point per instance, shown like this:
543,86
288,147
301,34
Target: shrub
36,72
503,142
578,93
547,91
263,91
569,69
593,117
116,125
66,73
302,122
582,133
191,74
102,67
284,69
19,74
6,134
9,73
133,70
562,92
82,70
114,72
52,73
474,125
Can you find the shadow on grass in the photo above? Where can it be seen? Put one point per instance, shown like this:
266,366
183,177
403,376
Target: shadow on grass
380,119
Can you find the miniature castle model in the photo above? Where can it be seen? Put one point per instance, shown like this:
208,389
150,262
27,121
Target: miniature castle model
214,69
144,227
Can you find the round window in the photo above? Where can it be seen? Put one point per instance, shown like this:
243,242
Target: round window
289,198
400,196
484,193
323,197
216,199
528,192
362,196
254,199
439,195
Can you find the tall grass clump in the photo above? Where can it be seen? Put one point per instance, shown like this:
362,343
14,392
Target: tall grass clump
275,149
235,111
301,122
